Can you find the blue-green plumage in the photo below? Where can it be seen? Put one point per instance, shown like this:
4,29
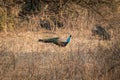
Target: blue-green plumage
56,41
68,40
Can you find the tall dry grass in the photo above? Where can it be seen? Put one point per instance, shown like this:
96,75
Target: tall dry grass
23,57
86,57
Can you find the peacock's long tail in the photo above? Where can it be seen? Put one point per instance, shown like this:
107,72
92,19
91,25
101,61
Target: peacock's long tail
48,40
41,40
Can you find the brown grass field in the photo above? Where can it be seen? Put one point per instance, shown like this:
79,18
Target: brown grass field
86,57
22,57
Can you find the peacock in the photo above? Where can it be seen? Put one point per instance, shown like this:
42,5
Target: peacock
56,41
100,31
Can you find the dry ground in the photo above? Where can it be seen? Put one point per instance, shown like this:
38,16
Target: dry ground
22,57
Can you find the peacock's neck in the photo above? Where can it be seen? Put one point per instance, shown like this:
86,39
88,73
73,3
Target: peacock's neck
68,40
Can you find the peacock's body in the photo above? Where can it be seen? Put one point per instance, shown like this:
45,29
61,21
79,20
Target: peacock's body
56,41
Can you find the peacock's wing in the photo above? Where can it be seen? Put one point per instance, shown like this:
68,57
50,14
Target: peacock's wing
61,43
49,40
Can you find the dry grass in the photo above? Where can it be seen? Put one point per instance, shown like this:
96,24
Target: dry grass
22,57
